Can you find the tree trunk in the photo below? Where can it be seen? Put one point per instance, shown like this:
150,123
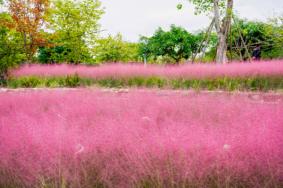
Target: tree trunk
221,56
26,47
3,76
222,30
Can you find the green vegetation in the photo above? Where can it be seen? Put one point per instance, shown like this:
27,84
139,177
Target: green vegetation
221,13
11,53
267,35
224,83
75,30
169,46
114,49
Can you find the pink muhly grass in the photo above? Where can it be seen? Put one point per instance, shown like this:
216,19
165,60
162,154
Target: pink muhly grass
92,138
264,68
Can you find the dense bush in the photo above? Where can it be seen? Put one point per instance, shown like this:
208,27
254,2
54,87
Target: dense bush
115,49
169,46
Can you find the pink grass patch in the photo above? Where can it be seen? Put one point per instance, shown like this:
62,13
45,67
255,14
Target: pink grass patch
88,138
264,68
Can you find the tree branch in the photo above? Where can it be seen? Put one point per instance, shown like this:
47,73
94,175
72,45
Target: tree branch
216,15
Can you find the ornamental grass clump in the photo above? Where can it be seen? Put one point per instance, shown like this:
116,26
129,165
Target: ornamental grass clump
137,138
187,71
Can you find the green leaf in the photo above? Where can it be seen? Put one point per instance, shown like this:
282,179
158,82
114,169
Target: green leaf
179,6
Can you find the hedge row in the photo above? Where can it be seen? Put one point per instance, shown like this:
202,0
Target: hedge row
224,83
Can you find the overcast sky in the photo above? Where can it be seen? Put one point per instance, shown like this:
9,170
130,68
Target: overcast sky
133,18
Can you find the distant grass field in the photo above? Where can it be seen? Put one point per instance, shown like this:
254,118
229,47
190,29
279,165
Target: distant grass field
264,76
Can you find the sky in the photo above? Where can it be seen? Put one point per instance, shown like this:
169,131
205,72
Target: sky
133,18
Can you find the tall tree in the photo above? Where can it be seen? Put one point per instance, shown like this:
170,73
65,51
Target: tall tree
177,44
75,27
222,29
10,52
115,49
28,18
222,11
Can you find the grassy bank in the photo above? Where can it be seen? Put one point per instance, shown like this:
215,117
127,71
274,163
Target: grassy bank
256,83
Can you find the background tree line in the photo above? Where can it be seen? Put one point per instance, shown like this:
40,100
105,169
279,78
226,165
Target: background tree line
55,31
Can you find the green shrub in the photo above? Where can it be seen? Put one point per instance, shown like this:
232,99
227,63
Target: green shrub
225,83
25,82
137,81
72,81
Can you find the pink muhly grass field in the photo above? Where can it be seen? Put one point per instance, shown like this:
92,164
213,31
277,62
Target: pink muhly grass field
137,138
264,68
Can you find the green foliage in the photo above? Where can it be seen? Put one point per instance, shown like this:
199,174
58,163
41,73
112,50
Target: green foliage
56,54
52,82
177,44
26,82
114,49
11,53
204,6
269,36
179,6
257,83
72,81
75,26
208,51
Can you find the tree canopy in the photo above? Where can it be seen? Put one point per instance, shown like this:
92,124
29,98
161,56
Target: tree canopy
177,43
222,12
114,49
11,53
28,18
75,27
269,36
